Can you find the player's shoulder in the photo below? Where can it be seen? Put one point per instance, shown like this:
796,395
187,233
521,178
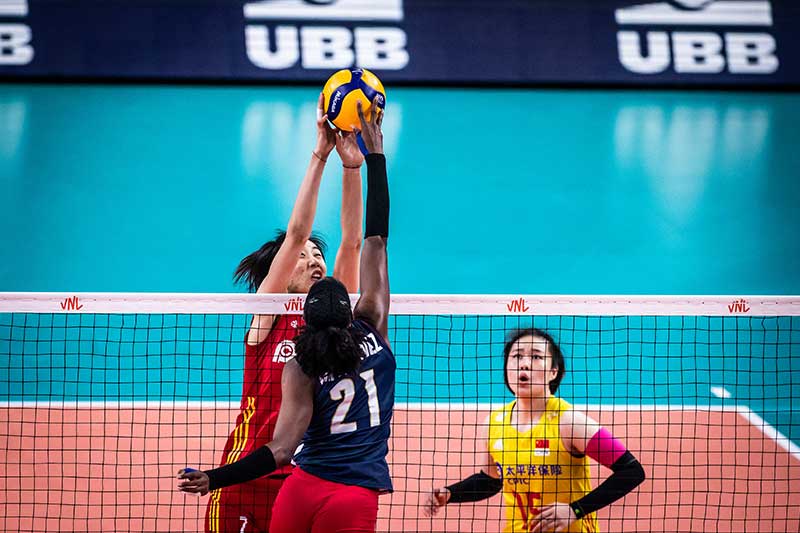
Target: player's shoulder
564,411
500,415
570,416
280,338
559,404
283,325
288,323
285,328
369,330
365,326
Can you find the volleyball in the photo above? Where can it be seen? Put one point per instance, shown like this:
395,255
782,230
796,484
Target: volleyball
346,87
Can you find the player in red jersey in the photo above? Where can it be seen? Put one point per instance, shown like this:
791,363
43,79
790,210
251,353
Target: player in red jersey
338,393
291,262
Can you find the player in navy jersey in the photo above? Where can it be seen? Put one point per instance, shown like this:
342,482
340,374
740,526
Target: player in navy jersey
338,391
291,262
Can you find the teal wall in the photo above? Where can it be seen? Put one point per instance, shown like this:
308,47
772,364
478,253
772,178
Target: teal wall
493,191
153,188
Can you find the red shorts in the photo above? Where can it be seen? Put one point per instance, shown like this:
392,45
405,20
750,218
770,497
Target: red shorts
243,508
308,504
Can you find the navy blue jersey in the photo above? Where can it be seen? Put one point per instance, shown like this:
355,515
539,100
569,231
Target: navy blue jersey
348,438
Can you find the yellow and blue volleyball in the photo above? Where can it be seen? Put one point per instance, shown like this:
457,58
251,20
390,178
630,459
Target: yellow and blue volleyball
346,87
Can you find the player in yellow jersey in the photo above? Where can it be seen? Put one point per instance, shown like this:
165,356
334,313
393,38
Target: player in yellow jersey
538,449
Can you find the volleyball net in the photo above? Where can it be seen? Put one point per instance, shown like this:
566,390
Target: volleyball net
103,397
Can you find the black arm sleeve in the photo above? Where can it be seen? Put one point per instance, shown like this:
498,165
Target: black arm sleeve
475,488
627,475
377,197
259,463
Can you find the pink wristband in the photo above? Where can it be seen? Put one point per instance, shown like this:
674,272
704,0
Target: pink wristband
604,448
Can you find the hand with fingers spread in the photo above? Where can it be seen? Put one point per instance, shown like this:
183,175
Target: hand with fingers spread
196,482
555,517
436,499
348,150
326,135
371,129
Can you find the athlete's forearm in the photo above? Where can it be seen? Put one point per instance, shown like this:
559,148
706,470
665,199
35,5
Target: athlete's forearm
377,197
627,475
352,220
254,465
475,488
301,220
373,305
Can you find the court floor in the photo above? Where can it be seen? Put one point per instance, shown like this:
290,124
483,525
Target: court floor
113,469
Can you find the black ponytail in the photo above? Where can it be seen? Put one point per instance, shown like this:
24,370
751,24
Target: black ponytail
254,268
329,351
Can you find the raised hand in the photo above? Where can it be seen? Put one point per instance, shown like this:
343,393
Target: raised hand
326,136
348,150
371,129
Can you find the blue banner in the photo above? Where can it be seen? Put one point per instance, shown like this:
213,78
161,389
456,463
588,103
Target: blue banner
682,42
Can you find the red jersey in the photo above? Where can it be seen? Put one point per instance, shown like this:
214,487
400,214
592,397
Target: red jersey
261,390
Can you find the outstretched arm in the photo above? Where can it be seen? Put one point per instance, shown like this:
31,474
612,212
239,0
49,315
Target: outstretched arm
297,407
479,486
346,266
299,229
373,305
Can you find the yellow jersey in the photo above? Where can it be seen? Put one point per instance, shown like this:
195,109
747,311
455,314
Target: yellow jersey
536,469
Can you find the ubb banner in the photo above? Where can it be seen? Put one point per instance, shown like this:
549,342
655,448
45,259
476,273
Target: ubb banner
725,42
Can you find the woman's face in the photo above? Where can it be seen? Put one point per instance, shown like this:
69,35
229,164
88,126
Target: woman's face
309,269
529,367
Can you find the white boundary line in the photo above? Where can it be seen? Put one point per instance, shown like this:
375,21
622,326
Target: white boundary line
780,439
748,414
721,392
405,304
415,406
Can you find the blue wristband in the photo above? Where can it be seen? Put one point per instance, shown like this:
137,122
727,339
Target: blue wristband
361,145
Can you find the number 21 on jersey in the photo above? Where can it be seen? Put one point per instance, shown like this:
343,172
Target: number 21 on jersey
345,391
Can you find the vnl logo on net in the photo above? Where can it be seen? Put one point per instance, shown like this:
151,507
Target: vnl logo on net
673,37
279,34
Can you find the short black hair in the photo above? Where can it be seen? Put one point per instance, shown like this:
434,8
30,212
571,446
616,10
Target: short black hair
552,346
254,268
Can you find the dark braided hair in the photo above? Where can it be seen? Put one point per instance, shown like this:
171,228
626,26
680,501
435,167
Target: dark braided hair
327,344
254,268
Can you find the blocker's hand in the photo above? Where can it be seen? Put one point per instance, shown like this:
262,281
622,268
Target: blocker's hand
326,136
371,129
196,482
348,149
